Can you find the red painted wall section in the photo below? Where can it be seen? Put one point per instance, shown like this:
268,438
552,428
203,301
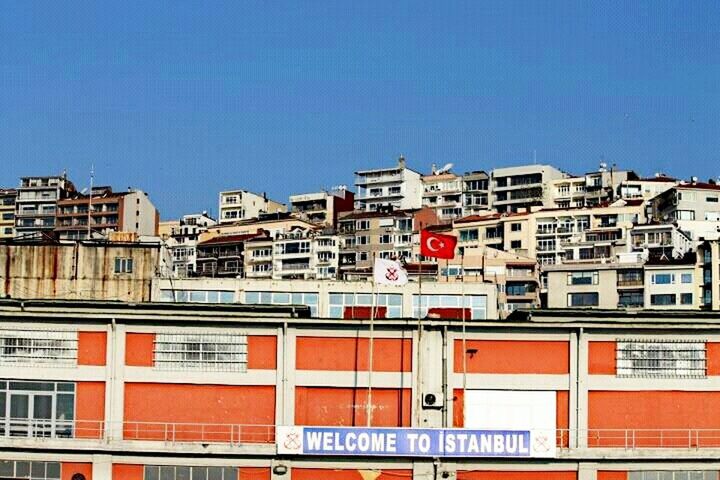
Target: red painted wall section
513,356
351,354
450,313
67,470
602,357
713,358
646,413
458,408
253,473
363,312
495,475
139,349
610,475
89,409
319,473
215,413
348,406
262,352
128,472
92,348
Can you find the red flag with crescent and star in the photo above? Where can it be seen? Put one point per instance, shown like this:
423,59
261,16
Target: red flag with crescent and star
437,245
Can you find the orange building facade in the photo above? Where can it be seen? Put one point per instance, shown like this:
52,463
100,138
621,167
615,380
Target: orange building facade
103,390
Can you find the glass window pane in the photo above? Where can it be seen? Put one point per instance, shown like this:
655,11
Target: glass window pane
66,387
167,473
227,297
19,406
199,473
152,473
311,298
22,469
182,473
37,469
215,473
42,406
281,298
230,473
33,386
64,407
53,470
6,468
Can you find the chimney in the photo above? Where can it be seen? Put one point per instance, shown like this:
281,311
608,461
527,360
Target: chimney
401,162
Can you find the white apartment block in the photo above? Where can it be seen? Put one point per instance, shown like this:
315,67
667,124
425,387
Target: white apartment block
235,205
476,196
443,193
646,188
322,207
182,242
516,188
399,187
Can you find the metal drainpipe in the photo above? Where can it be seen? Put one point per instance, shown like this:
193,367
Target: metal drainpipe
577,391
113,375
445,377
284,373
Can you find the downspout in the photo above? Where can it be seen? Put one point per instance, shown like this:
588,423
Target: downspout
446,394
112,375
284,374
577,390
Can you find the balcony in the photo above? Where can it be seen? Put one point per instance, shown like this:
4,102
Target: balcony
291,267
630,282
367,180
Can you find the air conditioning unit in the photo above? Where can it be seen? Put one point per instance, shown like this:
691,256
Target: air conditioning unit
432,400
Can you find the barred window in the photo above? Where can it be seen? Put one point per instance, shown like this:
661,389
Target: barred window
170,472
212,352
18,469
655,358
674,475
38,347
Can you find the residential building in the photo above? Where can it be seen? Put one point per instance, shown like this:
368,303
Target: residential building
476,193
301,253
673,283
442,191
87,270
646,188
185,391
510,232
694,206
323,207
661,239
603,186
181,242
7,212
517,188
272,223
568,192
105,211
235,205
223,256
387,233
36,204
399,187
708,255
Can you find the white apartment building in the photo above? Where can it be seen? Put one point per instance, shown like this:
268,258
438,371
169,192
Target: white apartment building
664,239
399,187
515,188
235,205
36,203
646,188
182,242
672,285
476,196
322,207
300,253
443,192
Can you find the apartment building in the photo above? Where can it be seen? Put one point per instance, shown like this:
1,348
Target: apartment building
235,205
227,391
399,187
387,233
7,212
223,256
517,188
708,254
476,193
646,188
36,203
673,283
443,192
694,206
98,214
661,239
181,242
301,253
272,223
510,232
322,208
88,270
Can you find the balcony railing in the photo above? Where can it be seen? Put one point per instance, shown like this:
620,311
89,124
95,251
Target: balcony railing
634,439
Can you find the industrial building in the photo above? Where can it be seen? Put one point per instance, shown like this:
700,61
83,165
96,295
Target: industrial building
122,391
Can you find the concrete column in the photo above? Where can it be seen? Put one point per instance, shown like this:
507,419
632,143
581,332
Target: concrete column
587,471
289,375
102,466
430,378
582,392
115,387
573,392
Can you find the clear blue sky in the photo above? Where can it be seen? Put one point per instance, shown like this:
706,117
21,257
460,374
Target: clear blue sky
183,99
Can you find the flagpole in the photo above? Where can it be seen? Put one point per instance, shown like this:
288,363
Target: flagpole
371,346
464,339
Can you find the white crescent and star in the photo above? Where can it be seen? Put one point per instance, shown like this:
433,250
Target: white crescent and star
429,244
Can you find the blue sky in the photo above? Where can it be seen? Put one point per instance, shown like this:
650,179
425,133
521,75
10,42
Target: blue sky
183,99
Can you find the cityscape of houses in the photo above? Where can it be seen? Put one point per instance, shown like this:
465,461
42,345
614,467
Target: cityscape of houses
538,236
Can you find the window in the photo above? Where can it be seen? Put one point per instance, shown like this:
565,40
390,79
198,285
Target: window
476,303
663,278
55,348
654,358
23,470
154,472
40,409
362,256
711,199
385,238
582,278
663,299
394,190
197,296
686,298
262,267
684,215
712,216
404,224
516,227
631,299
212,352
516,244
362,240
123,265
231,199
283,298
686,278
469,235
673,475
338,303
262,252
590,299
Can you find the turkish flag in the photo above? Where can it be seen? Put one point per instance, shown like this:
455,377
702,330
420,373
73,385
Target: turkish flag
437,245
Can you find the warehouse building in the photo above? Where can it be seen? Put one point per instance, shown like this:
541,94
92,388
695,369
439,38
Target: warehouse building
103,390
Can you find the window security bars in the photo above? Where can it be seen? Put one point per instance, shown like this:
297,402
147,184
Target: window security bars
211,352
46,347
665,359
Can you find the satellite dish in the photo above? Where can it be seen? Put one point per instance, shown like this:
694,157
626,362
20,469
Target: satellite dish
446,168
82,192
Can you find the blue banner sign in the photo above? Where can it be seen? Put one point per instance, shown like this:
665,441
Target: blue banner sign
413,442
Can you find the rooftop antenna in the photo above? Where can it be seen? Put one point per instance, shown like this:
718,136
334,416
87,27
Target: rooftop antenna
534,156
92,177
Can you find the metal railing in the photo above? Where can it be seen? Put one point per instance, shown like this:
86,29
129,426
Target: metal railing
636,438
